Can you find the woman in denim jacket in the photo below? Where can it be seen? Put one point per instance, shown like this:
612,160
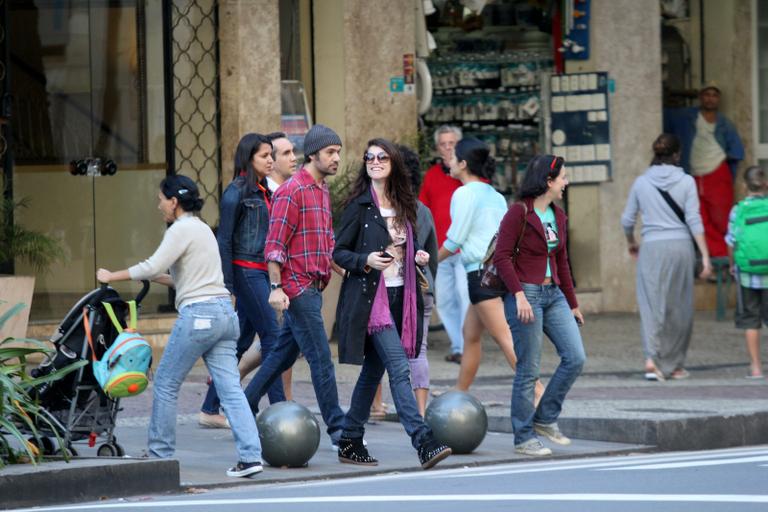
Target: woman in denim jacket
541,300
242,233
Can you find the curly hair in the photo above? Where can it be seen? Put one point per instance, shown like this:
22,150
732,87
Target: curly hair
398,187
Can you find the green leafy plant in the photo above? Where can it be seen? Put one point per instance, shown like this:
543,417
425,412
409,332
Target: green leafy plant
340,187
21,416
17,242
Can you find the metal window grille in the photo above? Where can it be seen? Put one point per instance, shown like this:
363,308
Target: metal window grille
194,120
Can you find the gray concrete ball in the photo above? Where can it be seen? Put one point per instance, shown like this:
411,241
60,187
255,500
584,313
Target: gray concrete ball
458,420
289,434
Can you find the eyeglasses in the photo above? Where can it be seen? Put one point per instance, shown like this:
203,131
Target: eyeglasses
370,157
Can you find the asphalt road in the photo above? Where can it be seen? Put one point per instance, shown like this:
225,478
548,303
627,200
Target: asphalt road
716,480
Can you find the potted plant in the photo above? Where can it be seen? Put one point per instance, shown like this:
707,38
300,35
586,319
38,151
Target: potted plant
22,419
20,244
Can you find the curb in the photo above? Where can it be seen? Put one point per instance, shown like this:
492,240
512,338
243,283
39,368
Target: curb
692,433
86,480
359,472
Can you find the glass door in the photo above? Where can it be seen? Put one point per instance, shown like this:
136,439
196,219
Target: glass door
88,137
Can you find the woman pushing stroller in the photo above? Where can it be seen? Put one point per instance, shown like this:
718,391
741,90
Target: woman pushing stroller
207,325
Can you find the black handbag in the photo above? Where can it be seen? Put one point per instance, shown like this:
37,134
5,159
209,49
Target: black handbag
491,279
699,265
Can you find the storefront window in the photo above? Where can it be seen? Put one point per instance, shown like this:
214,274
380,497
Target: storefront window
486,72
87,83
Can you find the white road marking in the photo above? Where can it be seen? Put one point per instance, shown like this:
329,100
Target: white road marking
690,464
587,497
596,464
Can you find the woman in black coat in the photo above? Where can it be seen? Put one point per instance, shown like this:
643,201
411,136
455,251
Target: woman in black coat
379,314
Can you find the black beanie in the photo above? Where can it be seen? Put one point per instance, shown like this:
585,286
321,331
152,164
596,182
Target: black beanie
318,137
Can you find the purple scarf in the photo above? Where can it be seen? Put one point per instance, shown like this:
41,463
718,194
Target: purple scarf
380,317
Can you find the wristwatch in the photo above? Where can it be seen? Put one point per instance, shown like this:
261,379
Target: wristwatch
275,286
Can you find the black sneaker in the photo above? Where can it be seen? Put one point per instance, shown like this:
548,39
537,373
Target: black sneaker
245,469
431,452
353,451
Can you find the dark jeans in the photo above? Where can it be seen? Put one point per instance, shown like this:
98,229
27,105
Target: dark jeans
256,317
386,353
302,332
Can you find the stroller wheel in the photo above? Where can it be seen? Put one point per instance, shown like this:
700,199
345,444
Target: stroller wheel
66,452
108,450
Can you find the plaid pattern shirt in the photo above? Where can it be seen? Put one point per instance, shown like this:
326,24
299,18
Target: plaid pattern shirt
747,280
300,236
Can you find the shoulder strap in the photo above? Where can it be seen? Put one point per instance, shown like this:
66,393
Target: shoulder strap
672,204
132,324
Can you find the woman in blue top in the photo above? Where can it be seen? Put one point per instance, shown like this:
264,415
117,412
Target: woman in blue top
242,233
476,212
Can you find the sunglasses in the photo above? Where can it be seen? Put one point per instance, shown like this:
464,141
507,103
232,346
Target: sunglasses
370,157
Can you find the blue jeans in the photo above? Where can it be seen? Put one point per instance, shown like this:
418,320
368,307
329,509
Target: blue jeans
208,330
553,317
452,299
386,353
302,332
256,317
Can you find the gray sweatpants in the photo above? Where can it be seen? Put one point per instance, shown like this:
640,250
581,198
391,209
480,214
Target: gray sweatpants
665,300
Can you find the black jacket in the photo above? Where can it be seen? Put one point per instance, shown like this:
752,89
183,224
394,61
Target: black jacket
363,230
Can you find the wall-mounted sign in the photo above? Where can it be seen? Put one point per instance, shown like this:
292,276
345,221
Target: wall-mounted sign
580,128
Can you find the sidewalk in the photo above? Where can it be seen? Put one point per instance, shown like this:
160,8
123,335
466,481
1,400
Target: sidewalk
610,410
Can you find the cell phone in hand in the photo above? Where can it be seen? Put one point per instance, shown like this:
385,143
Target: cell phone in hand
385,254
578,321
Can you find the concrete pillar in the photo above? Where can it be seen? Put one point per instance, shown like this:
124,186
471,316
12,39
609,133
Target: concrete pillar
249,46
728,54
357,51
625,42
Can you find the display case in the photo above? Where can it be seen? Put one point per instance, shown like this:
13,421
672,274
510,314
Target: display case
488,81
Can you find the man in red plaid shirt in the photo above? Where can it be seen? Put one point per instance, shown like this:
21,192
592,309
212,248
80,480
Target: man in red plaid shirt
298,253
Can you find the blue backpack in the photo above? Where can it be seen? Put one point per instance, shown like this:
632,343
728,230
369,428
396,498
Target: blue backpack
122,370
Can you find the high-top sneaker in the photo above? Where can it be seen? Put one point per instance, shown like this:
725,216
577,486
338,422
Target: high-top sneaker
353,451
431,452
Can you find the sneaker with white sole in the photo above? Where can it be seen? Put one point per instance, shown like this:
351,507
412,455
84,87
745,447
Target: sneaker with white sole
551,432
533,448
245,469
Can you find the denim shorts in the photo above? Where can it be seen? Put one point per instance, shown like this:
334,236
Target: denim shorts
477,292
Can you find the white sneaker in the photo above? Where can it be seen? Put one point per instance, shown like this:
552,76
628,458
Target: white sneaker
551,432
533,448
245,469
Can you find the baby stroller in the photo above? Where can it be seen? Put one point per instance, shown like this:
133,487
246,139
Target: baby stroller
76,404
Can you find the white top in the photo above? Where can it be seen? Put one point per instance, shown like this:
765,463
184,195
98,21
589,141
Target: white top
190,251
706,153
476,212
272,184
394,275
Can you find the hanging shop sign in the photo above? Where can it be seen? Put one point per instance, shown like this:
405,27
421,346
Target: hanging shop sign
576,40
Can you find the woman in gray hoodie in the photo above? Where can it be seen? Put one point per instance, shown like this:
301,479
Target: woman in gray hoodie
665,262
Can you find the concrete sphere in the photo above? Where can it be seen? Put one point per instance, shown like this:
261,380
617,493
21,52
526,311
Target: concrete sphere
458,420
289,434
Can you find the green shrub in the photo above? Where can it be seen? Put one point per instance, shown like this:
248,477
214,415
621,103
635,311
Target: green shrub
21,416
